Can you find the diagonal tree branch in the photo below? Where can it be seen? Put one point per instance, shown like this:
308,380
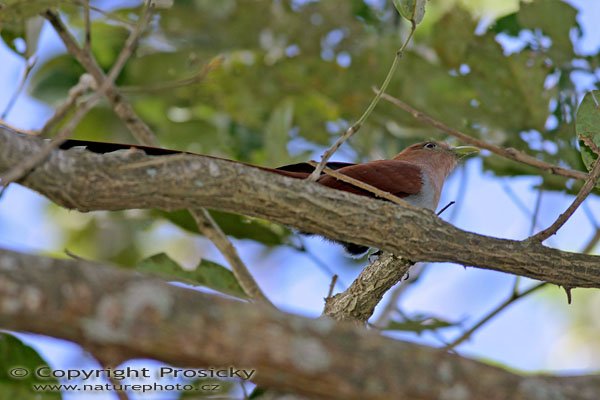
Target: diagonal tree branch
510,153
358,302
86,181
122,108
145,136
137,316
584,192
209,228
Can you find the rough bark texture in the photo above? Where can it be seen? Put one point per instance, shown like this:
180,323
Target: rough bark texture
358,302
86,181
132,315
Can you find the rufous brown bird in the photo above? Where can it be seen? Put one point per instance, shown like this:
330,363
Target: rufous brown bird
416,174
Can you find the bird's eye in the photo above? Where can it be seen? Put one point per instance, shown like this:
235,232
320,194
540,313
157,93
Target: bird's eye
430,145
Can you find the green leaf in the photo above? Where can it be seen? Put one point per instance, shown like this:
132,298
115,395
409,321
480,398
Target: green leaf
419,324
16,357
52,80
238,226
509,24
207,273
412,10
20,20
555,19
587,126
108,39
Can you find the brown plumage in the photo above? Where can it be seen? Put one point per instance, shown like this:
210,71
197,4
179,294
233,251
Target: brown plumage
416,174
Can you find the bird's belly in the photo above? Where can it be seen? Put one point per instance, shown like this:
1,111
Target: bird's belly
426,198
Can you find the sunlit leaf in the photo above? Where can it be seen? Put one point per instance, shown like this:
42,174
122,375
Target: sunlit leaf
587,126
412,10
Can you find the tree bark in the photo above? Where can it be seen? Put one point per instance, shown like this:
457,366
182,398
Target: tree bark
86,181
131,315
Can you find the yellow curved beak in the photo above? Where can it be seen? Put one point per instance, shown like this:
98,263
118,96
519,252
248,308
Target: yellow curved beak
464,151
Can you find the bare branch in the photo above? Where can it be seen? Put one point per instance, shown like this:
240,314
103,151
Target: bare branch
358,124
131,179
586,189
85,83
358,302
363,185
160,86
29,64
121,107
510,153
20,169
135,316
209,228
514,296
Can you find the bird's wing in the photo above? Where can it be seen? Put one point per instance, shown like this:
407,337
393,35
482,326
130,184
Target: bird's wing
108,147
304,169
399,178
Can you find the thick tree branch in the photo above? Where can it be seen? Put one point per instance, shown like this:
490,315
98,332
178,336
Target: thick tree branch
358,302
86,181
141,317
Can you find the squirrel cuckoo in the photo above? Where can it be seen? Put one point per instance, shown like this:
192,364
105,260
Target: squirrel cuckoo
416,174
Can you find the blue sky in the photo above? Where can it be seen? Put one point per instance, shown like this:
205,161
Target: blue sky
535,334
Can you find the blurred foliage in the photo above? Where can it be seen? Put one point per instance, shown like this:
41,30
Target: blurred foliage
295,74
237,226
15,358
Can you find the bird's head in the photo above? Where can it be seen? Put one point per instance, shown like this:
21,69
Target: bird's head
436,156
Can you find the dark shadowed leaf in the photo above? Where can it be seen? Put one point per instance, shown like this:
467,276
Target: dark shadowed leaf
419,324
207,273
16,357
238,226
555,19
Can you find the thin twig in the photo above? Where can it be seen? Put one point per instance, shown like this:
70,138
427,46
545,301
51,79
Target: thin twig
591,216
510,153
445,208
87,40
391,304
592,243
358,124
585,190
462,190
511,299
331,286
364,186
209,228
86,82
161,86
27,164
536,211
130,43
122,108
317,261
29,64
